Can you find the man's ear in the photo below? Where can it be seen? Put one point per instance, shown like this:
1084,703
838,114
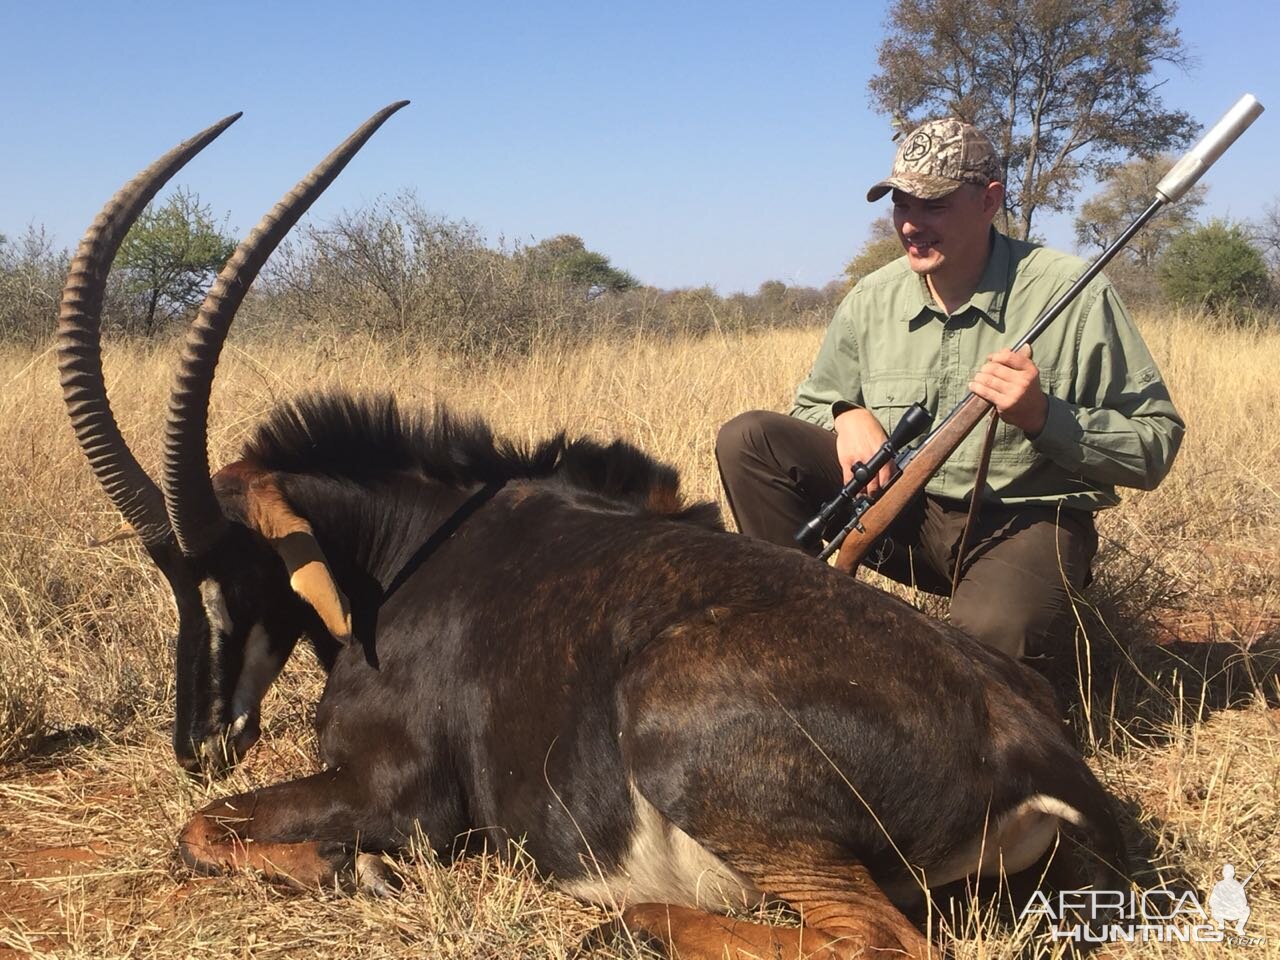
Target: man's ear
992,199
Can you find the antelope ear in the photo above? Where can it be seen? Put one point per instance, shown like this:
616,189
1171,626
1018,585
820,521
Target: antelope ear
293,538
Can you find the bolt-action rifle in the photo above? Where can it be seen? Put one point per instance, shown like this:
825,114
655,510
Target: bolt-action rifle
869,519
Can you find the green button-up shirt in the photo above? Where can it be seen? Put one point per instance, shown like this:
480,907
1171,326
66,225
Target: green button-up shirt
1110,419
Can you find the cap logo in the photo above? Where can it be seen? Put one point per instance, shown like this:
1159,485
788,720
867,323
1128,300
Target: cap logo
918,148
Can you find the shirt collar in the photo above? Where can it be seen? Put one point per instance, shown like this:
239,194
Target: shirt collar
988,299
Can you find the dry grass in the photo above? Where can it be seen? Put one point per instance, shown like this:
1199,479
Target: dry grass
90,801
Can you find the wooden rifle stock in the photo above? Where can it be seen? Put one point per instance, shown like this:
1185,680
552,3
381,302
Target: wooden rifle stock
911,481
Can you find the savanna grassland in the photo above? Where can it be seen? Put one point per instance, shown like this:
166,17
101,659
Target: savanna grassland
1173,691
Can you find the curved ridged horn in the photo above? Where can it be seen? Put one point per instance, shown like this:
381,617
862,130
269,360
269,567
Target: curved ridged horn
132,492
193,509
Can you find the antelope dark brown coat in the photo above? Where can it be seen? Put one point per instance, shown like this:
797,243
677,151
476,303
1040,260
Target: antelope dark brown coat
571,659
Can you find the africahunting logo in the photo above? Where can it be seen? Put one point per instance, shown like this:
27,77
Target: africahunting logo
1158,915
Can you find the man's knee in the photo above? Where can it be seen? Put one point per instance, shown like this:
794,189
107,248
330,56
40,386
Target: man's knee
1032,620
741,436
1016,596
992,624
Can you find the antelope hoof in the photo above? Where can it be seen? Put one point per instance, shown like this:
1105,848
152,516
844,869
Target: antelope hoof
374,877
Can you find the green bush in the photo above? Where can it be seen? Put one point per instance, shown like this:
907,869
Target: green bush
1215,267
170,256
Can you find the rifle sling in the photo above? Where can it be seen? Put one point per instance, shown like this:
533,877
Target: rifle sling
975,499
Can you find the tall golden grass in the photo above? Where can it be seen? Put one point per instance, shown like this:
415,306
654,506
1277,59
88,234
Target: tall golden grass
90,800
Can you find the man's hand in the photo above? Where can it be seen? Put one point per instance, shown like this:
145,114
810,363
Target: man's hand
1010,382
858,437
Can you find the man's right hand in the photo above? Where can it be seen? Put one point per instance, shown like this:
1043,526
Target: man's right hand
858,437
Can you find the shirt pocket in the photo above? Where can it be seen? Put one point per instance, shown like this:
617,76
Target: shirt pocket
1012,445
889,396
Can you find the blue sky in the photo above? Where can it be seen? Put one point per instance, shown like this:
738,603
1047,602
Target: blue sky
721,143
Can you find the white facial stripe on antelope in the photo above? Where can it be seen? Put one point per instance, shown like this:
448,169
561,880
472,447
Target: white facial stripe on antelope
293,539
666,865
259,669
219,618
215,607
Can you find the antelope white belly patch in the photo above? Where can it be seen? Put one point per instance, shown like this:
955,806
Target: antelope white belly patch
665,865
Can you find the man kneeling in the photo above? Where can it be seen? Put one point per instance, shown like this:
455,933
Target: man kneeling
1089,414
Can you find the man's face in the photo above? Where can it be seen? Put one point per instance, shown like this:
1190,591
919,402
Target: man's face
947,234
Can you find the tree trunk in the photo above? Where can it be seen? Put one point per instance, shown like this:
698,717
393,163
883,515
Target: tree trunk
149,324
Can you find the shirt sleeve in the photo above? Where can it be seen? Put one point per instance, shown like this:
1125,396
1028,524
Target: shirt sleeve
834,383
1120,426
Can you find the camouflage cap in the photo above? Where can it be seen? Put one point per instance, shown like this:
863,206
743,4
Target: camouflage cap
937,157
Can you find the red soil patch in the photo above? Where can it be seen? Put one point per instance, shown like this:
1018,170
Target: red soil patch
1233,622
54,861
30,905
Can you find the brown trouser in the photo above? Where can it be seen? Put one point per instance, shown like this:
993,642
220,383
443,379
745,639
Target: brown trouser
1016,579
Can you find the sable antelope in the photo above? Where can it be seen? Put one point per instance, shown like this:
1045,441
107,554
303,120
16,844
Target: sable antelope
549,644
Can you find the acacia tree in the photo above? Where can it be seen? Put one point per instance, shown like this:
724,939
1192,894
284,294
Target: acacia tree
1128,192
1065,88
171,253
566,259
